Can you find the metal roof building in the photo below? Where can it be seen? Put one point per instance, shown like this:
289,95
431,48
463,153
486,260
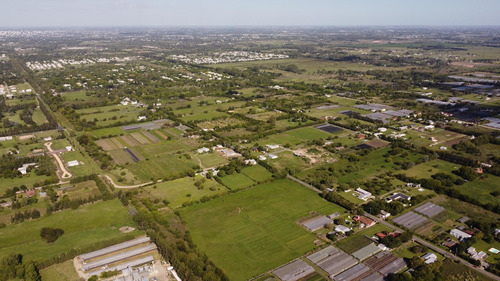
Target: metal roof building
366,252
115,248
429,209
118,257
294,271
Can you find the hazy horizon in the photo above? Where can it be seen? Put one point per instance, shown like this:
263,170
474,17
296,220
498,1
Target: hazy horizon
258,13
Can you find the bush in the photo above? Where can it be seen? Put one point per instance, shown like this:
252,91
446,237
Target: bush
51,234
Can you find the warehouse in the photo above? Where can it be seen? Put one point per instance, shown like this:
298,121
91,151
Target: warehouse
352,273
429,209
366,251
294,271
332,261
115,248
118,257
410,220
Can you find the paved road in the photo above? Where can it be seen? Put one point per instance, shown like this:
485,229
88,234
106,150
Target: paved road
304,184
437,249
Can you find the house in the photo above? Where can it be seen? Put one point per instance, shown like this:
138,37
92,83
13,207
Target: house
429,258
366,221
443,148
450,243
140,118
463,220
47,138
262,157
342,229
384,215
273,146
250,162
69,148
397,197
30,193
203,150
73,163
363,194
272,156
380,235
334,215
24,169
462,236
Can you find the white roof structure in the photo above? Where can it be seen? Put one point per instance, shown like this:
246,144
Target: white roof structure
342,228
460,234
429,258
73,163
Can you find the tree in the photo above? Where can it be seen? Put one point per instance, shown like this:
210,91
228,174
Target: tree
31,273
51,234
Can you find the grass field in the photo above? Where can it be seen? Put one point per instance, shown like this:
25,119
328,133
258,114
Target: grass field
257,173
255,230
176,191
309,133
288,160
159,168
60,272
29,180
237,181
426,170
82,227
480,189
211,159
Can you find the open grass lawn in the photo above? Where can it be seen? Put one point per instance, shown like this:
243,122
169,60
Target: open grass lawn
76,96
257,173
237,181
82,190
282,139
480,189
161,167
112,131
104,114
38,117
426,170
82,227
288,160
60,272
184,190
211,159
255,230
309,133
29,180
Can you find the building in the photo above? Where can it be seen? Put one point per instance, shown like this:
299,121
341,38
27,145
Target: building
273,146
73,163
363,194
342,229
462,236
272,156
366,221
397,197
463,220
429,258
24,169
384,215
203,150
250,162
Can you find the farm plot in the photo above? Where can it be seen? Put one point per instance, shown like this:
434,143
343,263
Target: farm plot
254,230
237,181
257,173
308,133
185,190
82,227
410,220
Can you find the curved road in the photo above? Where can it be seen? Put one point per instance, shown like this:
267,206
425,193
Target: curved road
126,186
65,173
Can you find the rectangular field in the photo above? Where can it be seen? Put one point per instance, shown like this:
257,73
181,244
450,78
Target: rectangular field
82,227
252,231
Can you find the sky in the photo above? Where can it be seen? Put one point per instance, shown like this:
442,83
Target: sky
77,13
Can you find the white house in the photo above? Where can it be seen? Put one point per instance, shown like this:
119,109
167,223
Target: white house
342,229
250,162
363,194
462,236
384,215
140,118
429,258
272,156
273,146
262,157
73,163
69,148
203,150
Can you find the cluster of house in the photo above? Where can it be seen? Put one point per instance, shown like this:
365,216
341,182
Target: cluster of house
226,57
54,64
364,223
226,152
363,194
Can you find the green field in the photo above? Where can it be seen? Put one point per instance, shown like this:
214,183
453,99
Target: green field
257,173
82,227
309,133
176,191
255,230
480,189
29,180
426,170
237,181
60,272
